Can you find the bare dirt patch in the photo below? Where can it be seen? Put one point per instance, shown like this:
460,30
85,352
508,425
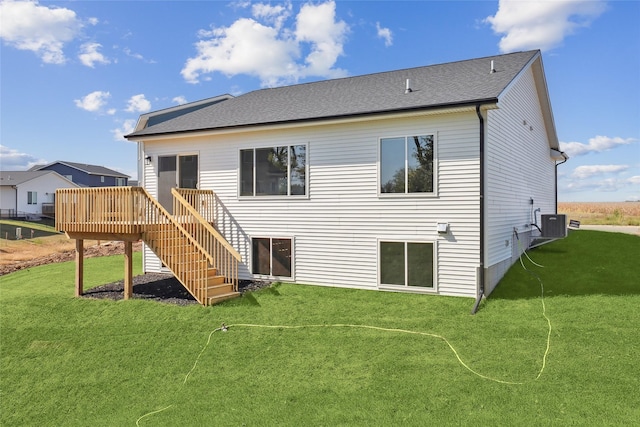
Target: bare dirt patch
18,255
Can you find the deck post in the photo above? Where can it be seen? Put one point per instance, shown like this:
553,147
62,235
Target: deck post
79,266
128,269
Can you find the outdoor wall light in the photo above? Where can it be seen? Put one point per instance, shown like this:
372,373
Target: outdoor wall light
147,160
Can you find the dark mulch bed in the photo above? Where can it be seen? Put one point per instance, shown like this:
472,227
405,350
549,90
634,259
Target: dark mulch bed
159,287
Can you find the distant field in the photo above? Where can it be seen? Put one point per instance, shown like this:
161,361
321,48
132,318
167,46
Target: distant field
600,213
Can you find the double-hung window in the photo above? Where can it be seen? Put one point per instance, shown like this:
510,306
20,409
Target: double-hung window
407,165
274,171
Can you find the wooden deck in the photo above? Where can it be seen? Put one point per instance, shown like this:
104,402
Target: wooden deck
186,242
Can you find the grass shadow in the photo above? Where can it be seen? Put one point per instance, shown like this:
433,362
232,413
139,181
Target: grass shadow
584,263
8,232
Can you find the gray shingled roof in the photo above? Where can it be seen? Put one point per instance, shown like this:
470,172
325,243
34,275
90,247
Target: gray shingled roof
435,86
89,169
18,177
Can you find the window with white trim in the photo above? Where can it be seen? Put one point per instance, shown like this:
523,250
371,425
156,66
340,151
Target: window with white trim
407,264
32,197
273,171
271,256
407,164
120,182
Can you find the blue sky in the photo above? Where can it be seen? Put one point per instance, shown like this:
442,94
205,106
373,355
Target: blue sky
75,75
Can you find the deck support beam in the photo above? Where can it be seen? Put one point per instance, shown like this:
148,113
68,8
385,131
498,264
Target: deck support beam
128,269
79,267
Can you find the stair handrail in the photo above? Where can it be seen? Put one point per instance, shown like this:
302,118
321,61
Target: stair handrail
194,212
183,231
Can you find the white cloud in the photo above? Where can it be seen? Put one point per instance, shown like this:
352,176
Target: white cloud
600,178
385,34
588,171
180,100
89,55
262,46
609,185
12,159
132,54
94,101
276,15
138,104
316,24
126,128
541,24
597,144
43,30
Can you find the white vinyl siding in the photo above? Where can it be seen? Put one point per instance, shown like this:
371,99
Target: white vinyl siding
42,189
338,225
519,168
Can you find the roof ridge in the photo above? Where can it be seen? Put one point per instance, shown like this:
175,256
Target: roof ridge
400,70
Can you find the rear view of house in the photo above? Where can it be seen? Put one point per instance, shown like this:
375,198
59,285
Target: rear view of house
414,180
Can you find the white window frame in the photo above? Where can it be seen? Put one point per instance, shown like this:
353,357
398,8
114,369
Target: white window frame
274,196
406,287
271,276
32,197
120,182
406,194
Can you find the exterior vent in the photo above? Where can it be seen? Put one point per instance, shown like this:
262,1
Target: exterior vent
554,226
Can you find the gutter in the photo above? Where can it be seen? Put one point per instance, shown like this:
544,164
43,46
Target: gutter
481,277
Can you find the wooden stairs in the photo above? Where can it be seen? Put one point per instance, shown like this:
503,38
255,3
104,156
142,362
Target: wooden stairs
186,241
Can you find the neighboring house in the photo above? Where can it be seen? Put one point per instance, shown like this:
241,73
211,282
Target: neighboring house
426,179
30,192
86,175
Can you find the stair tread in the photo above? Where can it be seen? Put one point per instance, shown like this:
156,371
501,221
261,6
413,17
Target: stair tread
222,297
219,287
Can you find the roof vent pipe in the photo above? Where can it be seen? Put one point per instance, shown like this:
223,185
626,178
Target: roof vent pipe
493,69
408,87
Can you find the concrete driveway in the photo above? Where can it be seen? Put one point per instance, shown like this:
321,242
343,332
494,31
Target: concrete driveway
628,229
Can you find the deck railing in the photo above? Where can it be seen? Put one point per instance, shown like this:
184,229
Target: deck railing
190,208
131,210
101,210
204,201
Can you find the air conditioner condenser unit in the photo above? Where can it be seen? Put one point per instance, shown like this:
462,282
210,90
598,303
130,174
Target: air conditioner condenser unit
554,226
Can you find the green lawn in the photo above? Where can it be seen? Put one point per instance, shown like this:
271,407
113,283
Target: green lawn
78,362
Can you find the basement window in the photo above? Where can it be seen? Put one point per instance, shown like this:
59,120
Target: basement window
407,264
271,256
